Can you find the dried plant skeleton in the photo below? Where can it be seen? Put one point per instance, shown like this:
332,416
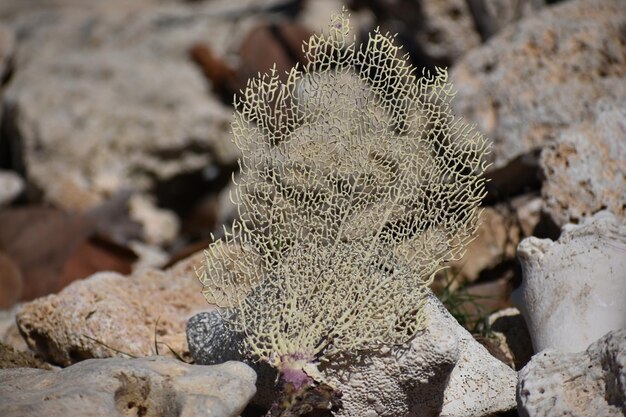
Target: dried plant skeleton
356,184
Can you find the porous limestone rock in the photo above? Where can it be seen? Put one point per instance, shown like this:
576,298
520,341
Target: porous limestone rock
536,78
585,170
109,99
573,290
150,387
443,370
589,383
109,314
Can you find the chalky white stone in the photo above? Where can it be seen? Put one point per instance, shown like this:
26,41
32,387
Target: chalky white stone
574,289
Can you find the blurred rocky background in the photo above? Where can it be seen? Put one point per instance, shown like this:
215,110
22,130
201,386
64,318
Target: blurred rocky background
116,156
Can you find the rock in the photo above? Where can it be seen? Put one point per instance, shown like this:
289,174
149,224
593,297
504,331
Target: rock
573,290
508,330
11,184
211,341
495,242
110,314
150,387
589,383
13,358
585,168
528,212
109,99
536,78
160,226
438,32
10,282
7,49
9,333
443,370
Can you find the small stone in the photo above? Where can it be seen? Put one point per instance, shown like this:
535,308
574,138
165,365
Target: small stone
151,387
588,383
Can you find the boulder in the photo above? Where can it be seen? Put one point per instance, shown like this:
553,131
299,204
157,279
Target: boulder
443,370
573,290
105,99
588,383
536,78
585,169
109,314
149,387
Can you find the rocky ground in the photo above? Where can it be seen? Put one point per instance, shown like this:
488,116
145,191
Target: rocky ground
115,170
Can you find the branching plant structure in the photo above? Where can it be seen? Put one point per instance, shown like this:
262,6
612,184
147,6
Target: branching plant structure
356,185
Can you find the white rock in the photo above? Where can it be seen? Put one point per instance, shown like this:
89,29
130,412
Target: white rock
590,383
154,386
11,185
443,371
574,289
109,99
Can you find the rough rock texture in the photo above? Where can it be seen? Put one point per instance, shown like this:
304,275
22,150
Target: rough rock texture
538,77
573,290
443,370
149,387
125,313
110,99
496,240
210,341
585,169
11,185
589,383
9,333
508,330
14,358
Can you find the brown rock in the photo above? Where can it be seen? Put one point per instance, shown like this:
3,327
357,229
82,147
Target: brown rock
495,243
13,358
10,282
507,329
535,79
39,241
109,314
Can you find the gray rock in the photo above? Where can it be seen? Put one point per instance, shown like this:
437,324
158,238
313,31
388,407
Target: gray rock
585,170
149,387
536,78
211,341
589,383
